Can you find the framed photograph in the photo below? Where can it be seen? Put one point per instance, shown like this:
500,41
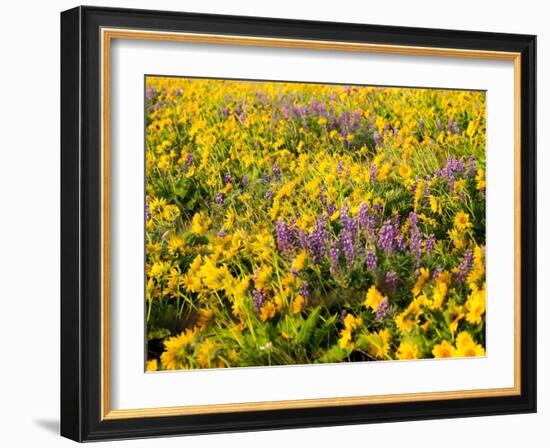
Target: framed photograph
276,224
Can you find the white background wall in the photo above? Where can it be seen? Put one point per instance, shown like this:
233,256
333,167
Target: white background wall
29,220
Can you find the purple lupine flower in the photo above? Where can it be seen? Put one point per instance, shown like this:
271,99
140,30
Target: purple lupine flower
421,125
316,242
340,168
348,247
228,179
472,170
259,299
304,290
396,220
303,238
356,119
239,109
383,308
363,216
371,261
147,210
224,112
347,234
372,172
219,198
286,237
266,178
331,209
334,258
377,139
189,161
452,168
430,243
367,222
276,171
344,214
400,243
453,128
150,93
268,195
322,197
464,267
245,181
439,125
386,237
390,281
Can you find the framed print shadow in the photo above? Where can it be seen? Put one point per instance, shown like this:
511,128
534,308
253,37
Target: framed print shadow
273,223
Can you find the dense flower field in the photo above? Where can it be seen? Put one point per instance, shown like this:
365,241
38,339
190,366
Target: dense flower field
296,223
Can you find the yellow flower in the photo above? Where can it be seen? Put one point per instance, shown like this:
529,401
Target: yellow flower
373,298
206,353
205,315
422,277
263,275
192,281
175,244
233,357
159,269
384,171
267,311
300,261
478,269
435,205
170,212
439,294
466,346
240,288
480,179
229,218
456,238
298,304
462,221
379,344
215,278
443,350
351,323
418,194
407,350
455,315
405,171
475,305
408,319
200,224
173,356
175,279
151,365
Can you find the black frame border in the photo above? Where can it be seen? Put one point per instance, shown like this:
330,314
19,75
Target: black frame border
81,223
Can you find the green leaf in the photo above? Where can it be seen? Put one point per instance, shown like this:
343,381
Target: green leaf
307,328
157,333
334,354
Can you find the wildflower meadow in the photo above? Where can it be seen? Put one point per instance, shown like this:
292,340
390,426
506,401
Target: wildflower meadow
292,223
